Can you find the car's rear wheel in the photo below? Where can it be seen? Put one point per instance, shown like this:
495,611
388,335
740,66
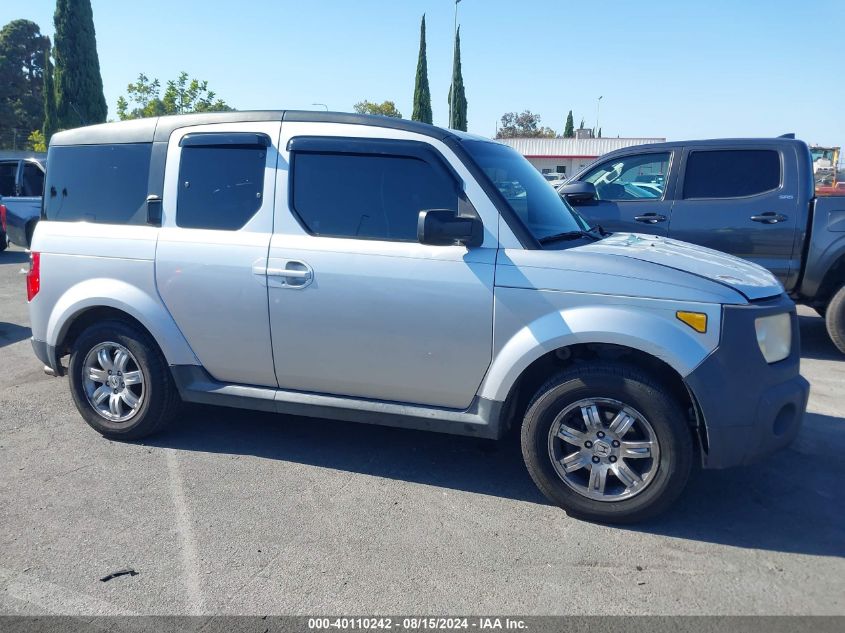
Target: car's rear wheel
4,241
835,319
120,382
607,443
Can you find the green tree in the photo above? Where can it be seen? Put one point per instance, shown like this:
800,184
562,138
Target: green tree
386,108
22,55
458,111
79,85
37,142
422,93
569,129
599,135
524,125
182,95
51,117
581,126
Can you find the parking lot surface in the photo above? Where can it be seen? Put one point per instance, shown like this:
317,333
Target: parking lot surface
239,512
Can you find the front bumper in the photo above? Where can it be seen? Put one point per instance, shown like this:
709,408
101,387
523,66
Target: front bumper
750,408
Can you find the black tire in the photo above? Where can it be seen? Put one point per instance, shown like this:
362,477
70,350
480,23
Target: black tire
160,401
835,319
4,241
634,389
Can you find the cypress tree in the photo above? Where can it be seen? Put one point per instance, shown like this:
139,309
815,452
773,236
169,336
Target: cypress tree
459,109
569,129
79,85
422,94
51,124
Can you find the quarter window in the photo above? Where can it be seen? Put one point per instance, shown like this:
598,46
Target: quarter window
731,173
32,183
640,177
367,196
8,173
220,188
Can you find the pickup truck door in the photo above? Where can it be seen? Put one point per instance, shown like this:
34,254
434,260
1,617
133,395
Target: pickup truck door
211,257
358,307
737,200
633,193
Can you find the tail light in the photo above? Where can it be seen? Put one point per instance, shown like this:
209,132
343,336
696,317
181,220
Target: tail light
33,276
3,218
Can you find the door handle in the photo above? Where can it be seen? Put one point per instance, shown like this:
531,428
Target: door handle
293,273
650,218
289,274
769,217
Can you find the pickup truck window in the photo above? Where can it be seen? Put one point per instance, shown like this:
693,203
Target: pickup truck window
220,188
537,204
8,171
363,196
32,183
731,173
106,184
638,177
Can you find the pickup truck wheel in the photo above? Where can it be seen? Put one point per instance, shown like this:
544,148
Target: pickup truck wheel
835,319
607,443
4,241
120,381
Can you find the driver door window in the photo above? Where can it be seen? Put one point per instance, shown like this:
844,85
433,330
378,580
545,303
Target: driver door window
630,194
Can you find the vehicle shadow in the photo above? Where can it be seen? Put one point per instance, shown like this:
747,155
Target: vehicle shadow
815,341
13,257
12,333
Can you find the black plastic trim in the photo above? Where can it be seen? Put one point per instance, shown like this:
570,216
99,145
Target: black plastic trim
225,140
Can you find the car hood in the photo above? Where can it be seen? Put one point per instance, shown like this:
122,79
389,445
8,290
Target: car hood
752,281
627,264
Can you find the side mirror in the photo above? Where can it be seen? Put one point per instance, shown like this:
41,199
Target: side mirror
444,227
154,210
578,191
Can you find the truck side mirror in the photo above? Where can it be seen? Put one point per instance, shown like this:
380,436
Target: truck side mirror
444,227
154,210
578,191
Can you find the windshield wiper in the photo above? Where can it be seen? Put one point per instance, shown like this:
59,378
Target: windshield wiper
567,235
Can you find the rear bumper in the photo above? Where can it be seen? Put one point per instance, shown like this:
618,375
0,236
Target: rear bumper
750,408
47,355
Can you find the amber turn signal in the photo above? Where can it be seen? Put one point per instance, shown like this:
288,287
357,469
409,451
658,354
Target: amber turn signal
696,320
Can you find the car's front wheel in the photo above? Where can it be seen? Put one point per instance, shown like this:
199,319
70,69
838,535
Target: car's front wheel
120,381
835,319
607,443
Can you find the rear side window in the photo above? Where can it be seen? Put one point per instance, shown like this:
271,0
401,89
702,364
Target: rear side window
368,196
98,183
8,173
220,188
32,181
731,173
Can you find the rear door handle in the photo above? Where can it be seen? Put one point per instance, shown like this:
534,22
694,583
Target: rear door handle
291,273
769,217
650,218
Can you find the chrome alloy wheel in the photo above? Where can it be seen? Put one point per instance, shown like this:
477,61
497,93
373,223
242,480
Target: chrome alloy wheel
113,382
604,449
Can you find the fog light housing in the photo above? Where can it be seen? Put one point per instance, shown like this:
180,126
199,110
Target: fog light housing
774,336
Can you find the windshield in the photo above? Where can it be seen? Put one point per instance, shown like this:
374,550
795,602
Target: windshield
537,204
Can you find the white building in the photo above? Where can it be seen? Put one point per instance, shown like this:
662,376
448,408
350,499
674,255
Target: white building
568,155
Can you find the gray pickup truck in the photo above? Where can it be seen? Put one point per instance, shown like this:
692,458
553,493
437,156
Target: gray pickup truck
753,198
21,190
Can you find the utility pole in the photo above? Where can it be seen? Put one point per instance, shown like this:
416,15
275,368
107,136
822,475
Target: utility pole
321,104
454,51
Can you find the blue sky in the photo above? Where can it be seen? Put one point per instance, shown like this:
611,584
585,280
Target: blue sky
665,68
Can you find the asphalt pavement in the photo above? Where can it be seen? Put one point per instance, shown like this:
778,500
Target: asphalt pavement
249,513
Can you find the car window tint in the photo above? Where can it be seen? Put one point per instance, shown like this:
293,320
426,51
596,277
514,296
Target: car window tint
8,172
32,183
367,196
98,183
220,188
731,173
642,176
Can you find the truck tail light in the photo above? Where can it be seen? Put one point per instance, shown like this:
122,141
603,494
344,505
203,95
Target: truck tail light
3,218
33,276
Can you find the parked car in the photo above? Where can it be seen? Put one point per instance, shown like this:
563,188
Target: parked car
555,179
753,198
21,190
215,266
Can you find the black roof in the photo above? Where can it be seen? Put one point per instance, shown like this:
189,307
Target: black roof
160,128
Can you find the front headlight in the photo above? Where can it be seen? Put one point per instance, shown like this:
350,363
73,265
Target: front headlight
774,336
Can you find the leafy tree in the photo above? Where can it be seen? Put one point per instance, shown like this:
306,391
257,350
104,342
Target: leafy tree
581,125
22,54
599,135
422,93
386,108
79,85
569,129
524,125
51,116
458,110
37,141
182,95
